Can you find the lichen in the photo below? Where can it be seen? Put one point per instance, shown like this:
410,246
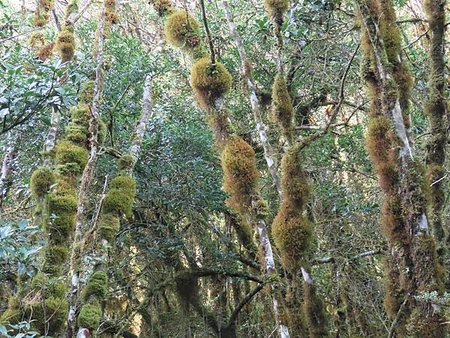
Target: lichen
209,81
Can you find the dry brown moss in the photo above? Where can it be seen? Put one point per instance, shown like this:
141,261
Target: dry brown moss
314,313
282,109
239,173
46,51
162,7
182,30
65,45
209,81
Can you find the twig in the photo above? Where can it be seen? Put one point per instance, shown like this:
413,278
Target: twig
208,33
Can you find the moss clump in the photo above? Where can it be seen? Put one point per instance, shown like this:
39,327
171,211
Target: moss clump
292,234
162,7
37,40
55,257
62,203
76,133
294,180
210,81
86,94
47,5
276,9
41,181
108,227
97,286
69,153
12,314
40,18
49,316
65,45
186,286
90,315
182,30
124,183
102,132
45,52
120,197
50,288
61,227
125,162
239,173
282,109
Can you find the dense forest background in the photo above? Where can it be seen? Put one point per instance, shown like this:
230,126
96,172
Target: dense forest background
224,168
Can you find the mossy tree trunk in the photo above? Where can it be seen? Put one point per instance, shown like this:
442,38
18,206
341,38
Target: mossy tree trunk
412,267
436,109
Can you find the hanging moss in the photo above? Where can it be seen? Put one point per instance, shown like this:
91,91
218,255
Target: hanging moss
37,40
67,152
40,18
65,45
294,180
108,227
239,173
90,315
276,9
210,82
162,7
282,109
45,52
41,181
182,30
125,162
292,234
97,286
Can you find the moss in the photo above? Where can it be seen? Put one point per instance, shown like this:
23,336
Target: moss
125,162
276,9
86,94
90,315
47,5
428,272
425,322
294,180
393,219
61,227
108,227
102,132
97,286
162,7
119,203
239,173
282,109
45,52
49,316
50,288
41,181
37,40
67,152
65,45
182,30
210,82
12,314
62,203
314,313
55,257
124,183
292,234
40,18
77,134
